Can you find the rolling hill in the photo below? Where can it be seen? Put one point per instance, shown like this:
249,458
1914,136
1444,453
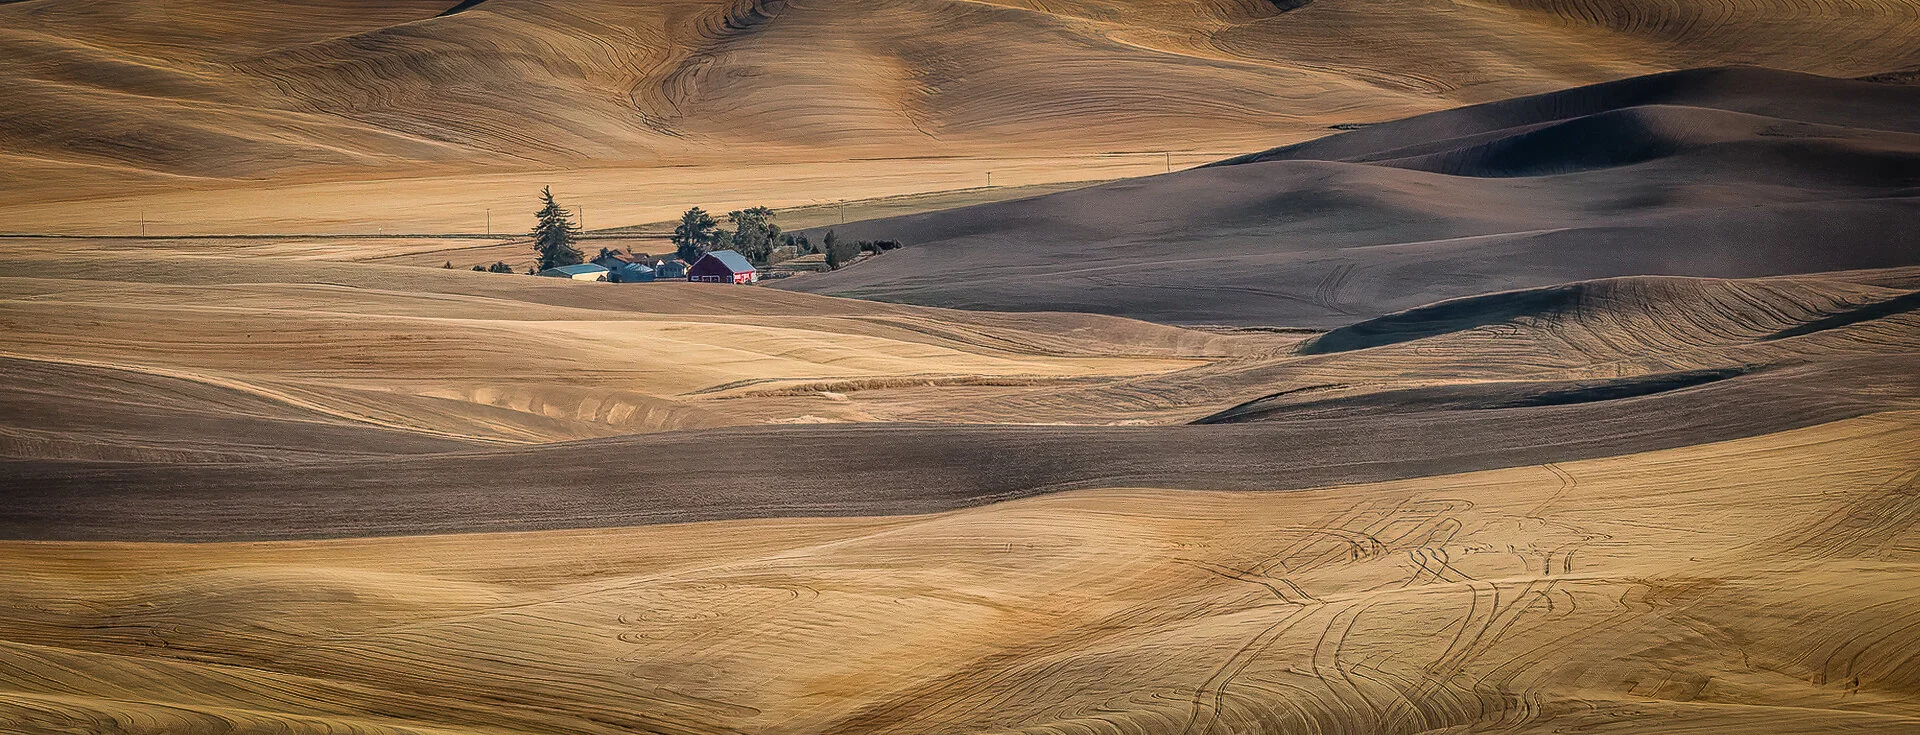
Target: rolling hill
252,488
1585,506
105,94
1592,405
1712,172
507,394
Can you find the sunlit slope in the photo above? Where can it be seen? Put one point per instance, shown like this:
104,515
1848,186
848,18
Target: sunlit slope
176,358
1591,341
1582,507
1566,373
1754,586
136,89
57,408
1706,172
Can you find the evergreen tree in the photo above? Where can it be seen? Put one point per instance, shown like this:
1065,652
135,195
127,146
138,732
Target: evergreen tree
696,234
554,234
448,266
499,266
828,245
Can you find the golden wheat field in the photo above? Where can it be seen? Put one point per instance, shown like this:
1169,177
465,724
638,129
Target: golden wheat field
1761,585
1743,563
1242,367
360,117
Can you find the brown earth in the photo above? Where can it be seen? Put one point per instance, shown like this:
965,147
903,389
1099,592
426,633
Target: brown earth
400,116
1711,172
1755,586
509,366
1597,505
1607,419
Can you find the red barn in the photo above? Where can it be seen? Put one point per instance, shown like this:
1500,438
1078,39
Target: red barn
723,266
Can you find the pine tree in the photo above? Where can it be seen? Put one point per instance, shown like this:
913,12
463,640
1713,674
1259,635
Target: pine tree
696,234
833,253
554,234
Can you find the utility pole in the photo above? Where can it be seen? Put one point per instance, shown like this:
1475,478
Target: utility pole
489,223
1169,161
143,223
989,179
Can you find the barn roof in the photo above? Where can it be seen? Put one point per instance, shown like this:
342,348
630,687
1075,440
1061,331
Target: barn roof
732,260
578,269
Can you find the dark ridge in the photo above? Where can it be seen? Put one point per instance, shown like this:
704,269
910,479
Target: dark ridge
1722,173
464,5
1903,76
1618,388
1474,397
1603,140
1287,6
1897,305
1446,317
1751,90
1227,416
877,469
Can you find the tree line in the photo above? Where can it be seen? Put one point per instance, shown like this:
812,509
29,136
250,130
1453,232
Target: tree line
754,235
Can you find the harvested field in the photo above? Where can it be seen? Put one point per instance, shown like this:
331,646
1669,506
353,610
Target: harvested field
1516,366
1744,167
1759,585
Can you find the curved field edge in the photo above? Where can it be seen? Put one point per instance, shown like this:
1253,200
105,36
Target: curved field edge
1749,586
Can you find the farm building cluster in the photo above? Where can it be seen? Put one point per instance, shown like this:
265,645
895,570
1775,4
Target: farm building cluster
718,266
